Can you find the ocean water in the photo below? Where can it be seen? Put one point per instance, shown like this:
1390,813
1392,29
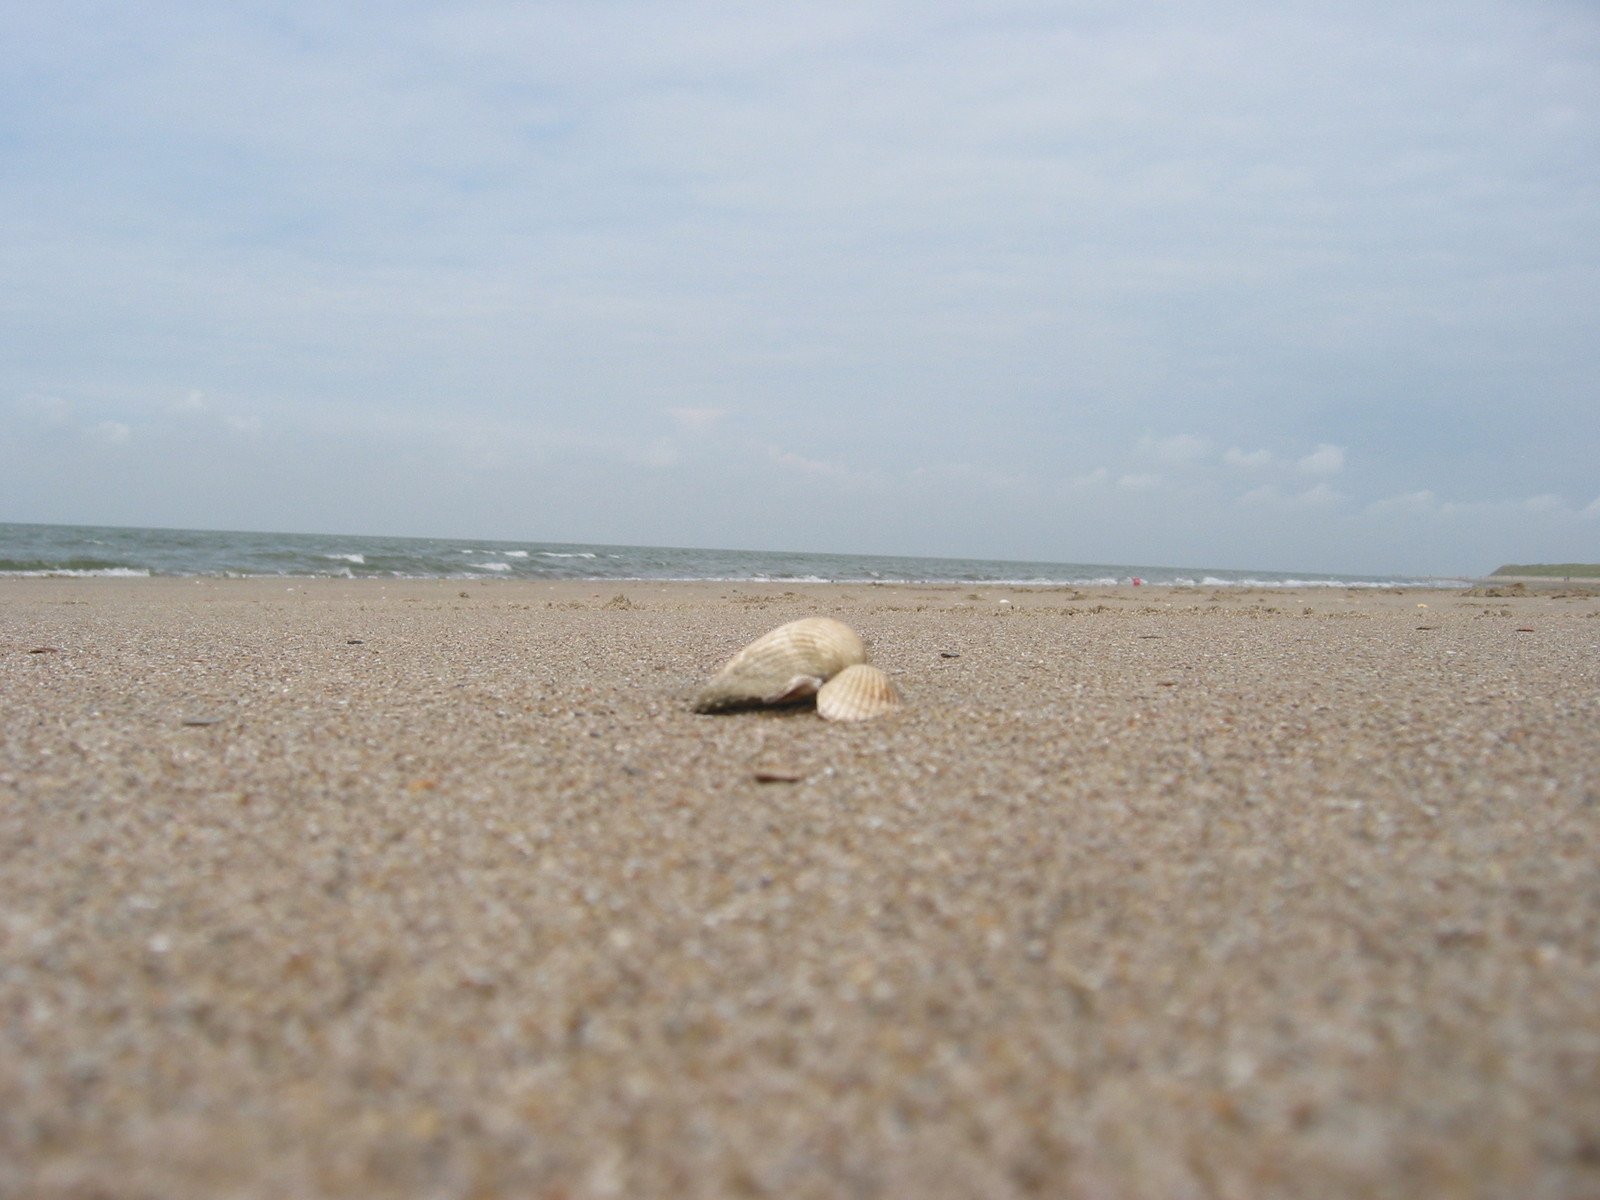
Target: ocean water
67,550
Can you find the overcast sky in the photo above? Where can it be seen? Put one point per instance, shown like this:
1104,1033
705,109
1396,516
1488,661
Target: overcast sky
1286,285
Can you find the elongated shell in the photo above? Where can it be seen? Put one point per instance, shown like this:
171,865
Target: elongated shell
788,664
857,693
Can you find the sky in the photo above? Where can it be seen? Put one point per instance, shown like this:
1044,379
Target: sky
1230,284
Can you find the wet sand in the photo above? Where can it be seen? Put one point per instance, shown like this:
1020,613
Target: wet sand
321,888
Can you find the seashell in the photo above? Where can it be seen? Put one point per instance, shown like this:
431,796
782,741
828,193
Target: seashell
857,693
788,664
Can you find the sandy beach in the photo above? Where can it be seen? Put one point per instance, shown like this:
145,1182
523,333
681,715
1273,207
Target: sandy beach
439,889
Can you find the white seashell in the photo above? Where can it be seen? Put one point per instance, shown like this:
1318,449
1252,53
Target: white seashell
857,693
788,664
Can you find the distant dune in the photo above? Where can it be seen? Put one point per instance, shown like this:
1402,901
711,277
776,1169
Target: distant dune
1552,570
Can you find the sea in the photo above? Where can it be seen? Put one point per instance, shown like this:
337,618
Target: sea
87,550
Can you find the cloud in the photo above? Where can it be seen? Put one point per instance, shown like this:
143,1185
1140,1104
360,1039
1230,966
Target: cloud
969,476
50,411
1098,477
1139,482
1179,448
112,433
1319,494
1543,503
697,418
1427,503
1326,459
815,467
660,454
1269,495
196,407
1591,511
1406,502
1236,457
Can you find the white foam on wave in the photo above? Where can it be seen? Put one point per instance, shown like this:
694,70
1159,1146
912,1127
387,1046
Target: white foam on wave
65,572
556,554
1100,581
490,566
515,553
1212,581
360,560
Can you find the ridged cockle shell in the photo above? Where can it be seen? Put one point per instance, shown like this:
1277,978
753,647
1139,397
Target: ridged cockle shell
788,664
857,693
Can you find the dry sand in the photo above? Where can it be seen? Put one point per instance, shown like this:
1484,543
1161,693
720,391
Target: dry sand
431,889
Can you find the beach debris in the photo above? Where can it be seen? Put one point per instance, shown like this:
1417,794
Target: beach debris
949,654
788,664
857,693
774,773
45,650
201,720
620,603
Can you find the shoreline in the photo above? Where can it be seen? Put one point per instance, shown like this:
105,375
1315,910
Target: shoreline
1311,583
394,887
798,595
